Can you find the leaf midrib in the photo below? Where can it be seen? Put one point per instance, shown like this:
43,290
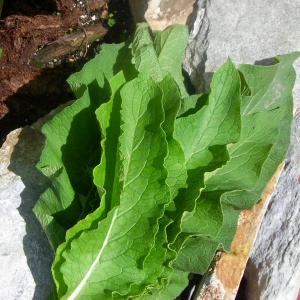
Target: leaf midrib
95,262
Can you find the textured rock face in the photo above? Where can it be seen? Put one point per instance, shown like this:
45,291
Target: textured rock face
161,13
195,57
273,271
25,254
249,31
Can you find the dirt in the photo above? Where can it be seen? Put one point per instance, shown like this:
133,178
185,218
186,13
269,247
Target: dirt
28,92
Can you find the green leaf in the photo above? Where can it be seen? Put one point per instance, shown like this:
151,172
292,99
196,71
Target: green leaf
72,135
217,123
155,272
263,144
176,283
252,160
269,85
112,59
170,47
191,104
162,54
196,255
175,159
106,174
108,115
116,246
210,129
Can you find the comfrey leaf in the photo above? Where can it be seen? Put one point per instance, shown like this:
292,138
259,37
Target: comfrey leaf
176,283
269,85
108,116
203,136
162,53
72,135
116,246
262,146
111,60
252,160
106,174
156,270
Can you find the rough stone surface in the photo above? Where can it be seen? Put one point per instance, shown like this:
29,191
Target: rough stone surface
249,31
161,13
195,58
273,271
25,254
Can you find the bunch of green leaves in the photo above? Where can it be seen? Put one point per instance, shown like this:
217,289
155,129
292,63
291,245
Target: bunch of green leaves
147,181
